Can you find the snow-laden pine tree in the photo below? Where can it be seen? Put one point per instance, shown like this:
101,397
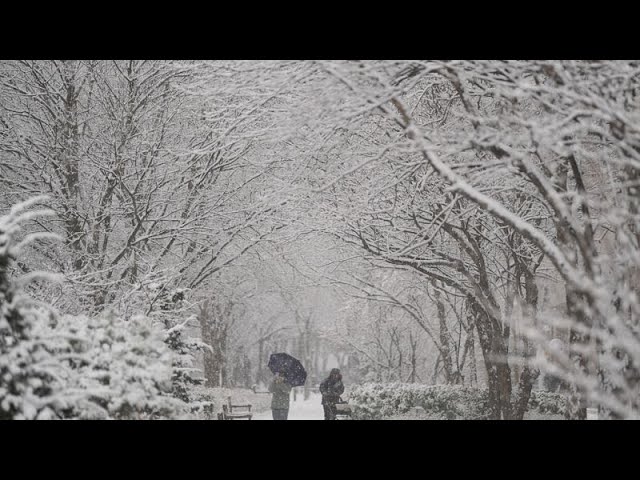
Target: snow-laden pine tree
169,309
178,326
30,383
117,368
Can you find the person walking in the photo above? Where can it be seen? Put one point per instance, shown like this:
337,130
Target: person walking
331,389
281,391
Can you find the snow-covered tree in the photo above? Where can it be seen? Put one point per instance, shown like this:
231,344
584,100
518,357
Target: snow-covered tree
457,204
543,153
116,368
30,383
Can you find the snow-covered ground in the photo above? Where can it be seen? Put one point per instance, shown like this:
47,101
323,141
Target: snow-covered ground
300,409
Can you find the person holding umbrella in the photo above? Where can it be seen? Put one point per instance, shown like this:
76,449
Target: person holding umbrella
288,373
281,391
331,389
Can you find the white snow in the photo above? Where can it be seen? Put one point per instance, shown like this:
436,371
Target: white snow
300,409
592,414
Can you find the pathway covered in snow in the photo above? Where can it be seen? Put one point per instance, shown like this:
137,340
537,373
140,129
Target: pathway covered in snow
300,409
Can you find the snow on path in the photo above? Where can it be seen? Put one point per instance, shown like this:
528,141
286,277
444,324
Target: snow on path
300,409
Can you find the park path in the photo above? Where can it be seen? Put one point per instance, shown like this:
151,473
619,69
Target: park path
300,409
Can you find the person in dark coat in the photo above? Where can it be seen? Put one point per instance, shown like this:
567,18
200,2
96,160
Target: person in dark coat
331,389
281,391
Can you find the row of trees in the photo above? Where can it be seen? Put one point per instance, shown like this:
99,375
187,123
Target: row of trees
443,198
153,197
486,177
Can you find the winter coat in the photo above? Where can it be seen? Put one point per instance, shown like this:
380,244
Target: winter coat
331,389
281,391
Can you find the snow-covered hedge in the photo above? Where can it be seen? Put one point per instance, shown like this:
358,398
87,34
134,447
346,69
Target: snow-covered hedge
374,401
547,402
114,368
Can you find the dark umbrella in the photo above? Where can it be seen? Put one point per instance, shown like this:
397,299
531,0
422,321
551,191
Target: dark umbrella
289,367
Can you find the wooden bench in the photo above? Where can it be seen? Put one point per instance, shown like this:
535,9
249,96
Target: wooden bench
235,412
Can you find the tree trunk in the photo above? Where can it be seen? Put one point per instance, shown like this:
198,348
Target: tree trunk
445,346
494,352
528,375
260,374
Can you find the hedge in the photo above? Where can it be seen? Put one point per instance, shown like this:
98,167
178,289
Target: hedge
373,401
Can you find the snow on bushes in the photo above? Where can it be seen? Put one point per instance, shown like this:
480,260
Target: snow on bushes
374,401
29,384
547,402
171,307
117,369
